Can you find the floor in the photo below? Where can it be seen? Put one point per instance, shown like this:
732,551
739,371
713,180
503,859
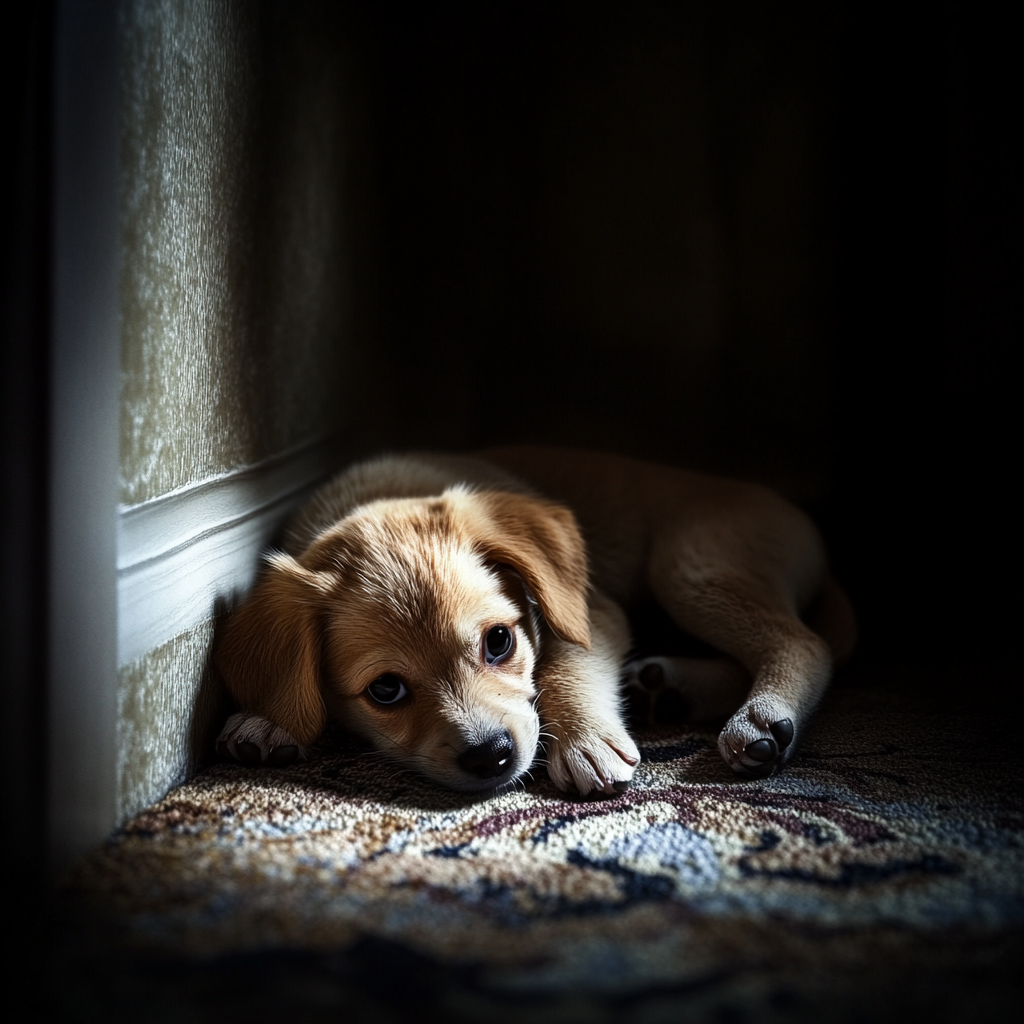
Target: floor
880,876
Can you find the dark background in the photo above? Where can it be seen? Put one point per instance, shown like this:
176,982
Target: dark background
535,179
776,240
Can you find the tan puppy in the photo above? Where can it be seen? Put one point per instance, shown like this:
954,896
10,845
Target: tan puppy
443,608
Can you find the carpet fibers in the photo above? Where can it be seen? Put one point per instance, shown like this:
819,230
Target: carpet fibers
880,875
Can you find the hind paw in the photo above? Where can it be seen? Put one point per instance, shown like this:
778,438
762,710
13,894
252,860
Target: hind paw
651,692
760,737
680,689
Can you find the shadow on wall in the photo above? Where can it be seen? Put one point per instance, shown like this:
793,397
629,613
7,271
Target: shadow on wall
606,225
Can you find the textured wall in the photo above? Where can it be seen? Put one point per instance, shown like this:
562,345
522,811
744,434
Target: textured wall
166,705
234,291
233,285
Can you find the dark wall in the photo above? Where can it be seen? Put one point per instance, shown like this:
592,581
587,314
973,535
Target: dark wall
24,468
770,240
925,500
611,225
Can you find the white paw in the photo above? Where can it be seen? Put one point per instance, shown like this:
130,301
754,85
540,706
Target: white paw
589,756
760,737
253,739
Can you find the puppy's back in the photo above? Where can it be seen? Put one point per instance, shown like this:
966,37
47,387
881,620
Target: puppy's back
413,475
626,506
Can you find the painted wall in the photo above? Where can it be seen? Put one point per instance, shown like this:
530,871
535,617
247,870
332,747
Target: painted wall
235,299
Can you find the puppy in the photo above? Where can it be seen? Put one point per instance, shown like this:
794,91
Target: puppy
466,616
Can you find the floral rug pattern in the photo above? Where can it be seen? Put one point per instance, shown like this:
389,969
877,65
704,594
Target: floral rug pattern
893,843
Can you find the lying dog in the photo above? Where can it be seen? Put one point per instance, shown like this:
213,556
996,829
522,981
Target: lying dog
445,609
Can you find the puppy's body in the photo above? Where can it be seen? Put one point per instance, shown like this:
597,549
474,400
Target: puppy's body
405,575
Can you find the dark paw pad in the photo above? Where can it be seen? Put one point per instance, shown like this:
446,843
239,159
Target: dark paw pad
248,753
762,771
762,750
783,732
281,756
620,787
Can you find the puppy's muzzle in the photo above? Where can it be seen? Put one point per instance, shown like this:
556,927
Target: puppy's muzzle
492,759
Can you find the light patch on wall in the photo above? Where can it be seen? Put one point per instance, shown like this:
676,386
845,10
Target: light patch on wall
168,712
235,298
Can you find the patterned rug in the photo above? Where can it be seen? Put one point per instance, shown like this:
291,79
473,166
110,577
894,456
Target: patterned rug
881,873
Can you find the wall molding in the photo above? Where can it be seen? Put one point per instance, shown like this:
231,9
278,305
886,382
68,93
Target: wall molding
181,553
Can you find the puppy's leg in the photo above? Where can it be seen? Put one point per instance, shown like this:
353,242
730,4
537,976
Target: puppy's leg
252,739
791,667
690,689
743,599
582,726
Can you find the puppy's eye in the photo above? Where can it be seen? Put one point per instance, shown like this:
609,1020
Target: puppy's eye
498,643
388,689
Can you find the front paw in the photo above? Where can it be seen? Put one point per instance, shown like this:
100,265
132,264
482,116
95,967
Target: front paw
253,739
591,756
760,737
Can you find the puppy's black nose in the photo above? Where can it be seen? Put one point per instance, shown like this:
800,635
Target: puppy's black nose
491,758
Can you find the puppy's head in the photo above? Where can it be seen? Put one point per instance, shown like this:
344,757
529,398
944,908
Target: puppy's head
413,622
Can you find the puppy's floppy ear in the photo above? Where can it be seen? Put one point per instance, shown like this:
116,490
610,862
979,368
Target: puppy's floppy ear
268,651
541,541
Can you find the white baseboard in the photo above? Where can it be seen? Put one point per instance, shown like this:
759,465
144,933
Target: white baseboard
178,554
